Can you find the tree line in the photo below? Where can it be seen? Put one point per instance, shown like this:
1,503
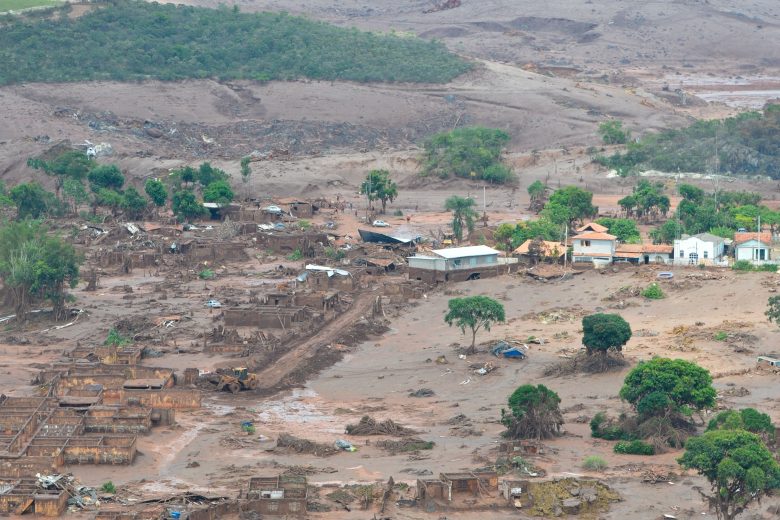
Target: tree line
136,40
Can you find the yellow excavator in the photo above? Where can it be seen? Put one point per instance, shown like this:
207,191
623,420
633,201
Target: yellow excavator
240,379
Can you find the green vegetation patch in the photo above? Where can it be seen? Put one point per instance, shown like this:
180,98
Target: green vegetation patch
17,5
746,144
130,40
468,152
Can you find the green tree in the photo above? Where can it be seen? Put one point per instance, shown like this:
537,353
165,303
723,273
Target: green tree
667,232
378,186
188,174
568,205
133,203
537,190
748,419
612,132
467,152
503,236
106,176
474,313
219,192
624,229
773,309
662,386
73,165
628,205
246,170
156,191
542,229
34,265
534,413
75,191
691,193
463,214
207,174
186,206
602,332
110,199
30,199
739,468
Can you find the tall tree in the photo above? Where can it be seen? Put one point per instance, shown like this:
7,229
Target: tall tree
219,192
537,191
378,186
156,191
474,313
30,199
568,205
738,466
106,176
246,169
34,265
662,386
463,214
133,203
186,206
602,332
72,164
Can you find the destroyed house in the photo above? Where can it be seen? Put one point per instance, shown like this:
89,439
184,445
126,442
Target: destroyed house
281,496
457,264
448,485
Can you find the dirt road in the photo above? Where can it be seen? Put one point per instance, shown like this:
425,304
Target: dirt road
274,375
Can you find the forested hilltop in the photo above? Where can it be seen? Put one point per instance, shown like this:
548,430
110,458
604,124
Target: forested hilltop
132,40
747,144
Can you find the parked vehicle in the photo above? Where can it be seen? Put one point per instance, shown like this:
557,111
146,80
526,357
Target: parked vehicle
380,223
213,304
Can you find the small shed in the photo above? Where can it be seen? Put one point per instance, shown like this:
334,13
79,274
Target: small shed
773,360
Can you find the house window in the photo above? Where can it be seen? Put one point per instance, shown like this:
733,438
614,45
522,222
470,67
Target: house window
456,262
682,253
473,260
586,243
706,254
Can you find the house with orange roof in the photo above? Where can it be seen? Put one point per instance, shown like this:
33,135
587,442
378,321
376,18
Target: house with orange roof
593,246
549,251
592,226
753,246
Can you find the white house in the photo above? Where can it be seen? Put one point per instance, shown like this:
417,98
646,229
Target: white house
703,248
593,246
752,246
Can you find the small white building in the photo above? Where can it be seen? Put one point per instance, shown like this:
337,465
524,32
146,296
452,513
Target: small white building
592,246
703,248
752,246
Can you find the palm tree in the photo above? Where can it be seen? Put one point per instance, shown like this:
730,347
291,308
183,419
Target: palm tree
463,214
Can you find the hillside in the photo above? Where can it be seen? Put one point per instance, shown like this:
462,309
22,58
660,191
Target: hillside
138,40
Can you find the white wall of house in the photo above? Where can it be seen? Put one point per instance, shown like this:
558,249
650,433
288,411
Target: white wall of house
657,258
598,248
696,251
752,250
471,261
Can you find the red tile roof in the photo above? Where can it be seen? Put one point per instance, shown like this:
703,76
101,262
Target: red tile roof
548,248
740,238
592,235
592,226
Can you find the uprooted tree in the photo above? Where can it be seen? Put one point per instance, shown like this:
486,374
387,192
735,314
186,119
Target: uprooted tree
738,466
474,312
534,413
36,267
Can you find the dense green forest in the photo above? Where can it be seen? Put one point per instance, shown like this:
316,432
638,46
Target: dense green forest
131,40
747,144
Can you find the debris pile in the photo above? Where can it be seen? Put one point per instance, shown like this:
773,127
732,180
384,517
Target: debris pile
447,4
298,445
370,426
406,445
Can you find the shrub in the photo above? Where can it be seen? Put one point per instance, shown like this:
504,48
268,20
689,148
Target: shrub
206,274
770,268
116,339
603,428
636,447
467,152
295,255
653,292
398,213
304,224
335,253
721,336
108,487
742,265
594,463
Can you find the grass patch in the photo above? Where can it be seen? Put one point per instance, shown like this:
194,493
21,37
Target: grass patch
108,487
295,255
16,5
721,336
135,40
116,339
594,463
206,274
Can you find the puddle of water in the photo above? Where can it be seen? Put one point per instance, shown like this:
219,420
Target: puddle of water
751,92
